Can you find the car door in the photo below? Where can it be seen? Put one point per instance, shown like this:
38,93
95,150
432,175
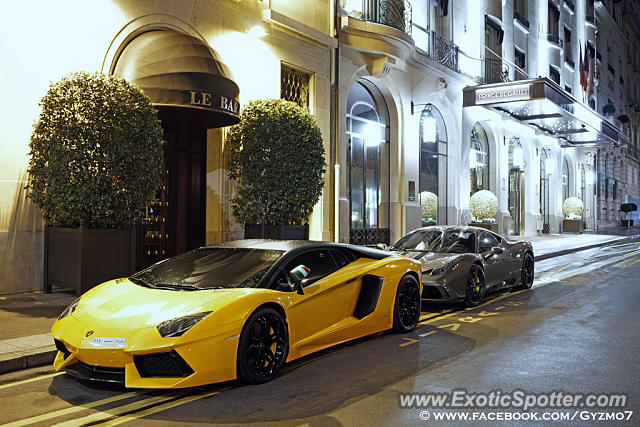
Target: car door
496,264
327,298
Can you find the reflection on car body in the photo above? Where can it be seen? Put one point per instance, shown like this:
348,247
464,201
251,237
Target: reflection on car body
464,263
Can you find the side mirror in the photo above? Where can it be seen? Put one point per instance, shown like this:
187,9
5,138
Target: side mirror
382,246
496,250
297,275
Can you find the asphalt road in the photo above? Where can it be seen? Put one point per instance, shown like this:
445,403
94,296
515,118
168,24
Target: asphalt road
576,332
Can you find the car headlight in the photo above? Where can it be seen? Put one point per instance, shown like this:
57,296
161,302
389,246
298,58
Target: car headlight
70,309
441,270
178,326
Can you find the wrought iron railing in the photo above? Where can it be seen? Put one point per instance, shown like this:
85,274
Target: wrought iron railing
443,50
632,151
555,39
495,71
394,13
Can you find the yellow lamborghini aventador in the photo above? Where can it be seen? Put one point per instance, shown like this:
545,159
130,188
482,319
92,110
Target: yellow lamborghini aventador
238,310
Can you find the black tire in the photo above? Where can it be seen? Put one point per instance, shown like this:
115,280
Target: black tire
407,305
263,347
475,286
527,272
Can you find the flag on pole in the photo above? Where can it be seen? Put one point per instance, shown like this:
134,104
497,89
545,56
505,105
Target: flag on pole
583,77
589,65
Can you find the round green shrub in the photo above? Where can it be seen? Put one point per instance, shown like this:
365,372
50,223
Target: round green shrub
277,158
96,152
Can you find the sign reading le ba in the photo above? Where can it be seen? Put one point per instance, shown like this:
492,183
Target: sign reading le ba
204,99
502,94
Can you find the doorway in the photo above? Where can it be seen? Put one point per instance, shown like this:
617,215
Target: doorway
516,200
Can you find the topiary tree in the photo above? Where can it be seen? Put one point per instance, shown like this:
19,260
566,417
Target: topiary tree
96,152
277,157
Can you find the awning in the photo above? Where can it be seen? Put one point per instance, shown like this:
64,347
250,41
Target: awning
543,105
178,70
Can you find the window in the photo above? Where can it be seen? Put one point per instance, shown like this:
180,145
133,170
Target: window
521,63
565,179
479,159
568,54
319,262
486,241
567,88
294,86
554,18
554,74
520,12
433,163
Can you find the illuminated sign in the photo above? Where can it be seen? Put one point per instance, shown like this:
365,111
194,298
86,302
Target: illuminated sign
502,94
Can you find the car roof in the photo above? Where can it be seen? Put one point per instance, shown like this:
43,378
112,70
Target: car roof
291,245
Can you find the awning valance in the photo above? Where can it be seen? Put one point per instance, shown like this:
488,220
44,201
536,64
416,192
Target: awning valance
543,105
178,70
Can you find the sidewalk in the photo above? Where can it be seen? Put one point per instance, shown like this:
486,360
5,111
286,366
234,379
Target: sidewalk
25,339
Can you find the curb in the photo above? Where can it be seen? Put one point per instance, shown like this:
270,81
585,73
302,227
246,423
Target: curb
584,248
27,359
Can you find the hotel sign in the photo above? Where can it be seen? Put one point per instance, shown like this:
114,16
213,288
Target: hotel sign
503,94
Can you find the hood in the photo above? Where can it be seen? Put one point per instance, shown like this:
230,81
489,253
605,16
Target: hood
431,260
126,305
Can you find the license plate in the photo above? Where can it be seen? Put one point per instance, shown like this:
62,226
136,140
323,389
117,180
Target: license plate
108,342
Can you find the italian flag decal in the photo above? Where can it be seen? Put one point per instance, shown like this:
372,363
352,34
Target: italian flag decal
301,271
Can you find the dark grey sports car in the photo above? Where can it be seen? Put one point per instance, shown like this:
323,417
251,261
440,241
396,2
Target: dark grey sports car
464,263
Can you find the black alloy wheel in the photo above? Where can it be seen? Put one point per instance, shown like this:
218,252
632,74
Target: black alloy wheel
526,274
263,347
475,286
406,309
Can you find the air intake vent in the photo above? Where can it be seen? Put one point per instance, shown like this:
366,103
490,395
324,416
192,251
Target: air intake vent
167,364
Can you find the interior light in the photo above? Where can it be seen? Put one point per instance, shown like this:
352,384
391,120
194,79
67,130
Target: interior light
549,166
429,129
590,177
257,31
371,134
473,160
518,157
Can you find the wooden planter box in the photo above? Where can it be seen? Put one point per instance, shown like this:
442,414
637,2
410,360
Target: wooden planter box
490,227
276,231
80,258
572,226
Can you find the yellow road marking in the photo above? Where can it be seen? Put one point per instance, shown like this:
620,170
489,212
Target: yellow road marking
30,380
409,341
428,321
627,263
117,411
67,411
623,244
559,270
155,409
454,326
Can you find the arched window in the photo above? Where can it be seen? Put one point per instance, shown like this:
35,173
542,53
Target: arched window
565,179
479,159
368,157
433,164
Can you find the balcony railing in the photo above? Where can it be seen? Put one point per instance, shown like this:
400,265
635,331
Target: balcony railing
495,71
443,51
557,40
632,151
394,13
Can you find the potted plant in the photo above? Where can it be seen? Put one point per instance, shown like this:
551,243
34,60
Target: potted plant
277,159
95,161
429,203
572,208
484,205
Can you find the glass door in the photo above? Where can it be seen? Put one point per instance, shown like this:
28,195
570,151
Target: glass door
516,200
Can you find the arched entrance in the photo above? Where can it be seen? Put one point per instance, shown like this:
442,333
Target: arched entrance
193,91
479,159
433,166
546,169
368,157
516,186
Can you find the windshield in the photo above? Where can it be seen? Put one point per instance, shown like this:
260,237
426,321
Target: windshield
209,268
440,241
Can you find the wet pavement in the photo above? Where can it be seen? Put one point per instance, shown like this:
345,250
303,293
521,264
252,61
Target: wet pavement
575,331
